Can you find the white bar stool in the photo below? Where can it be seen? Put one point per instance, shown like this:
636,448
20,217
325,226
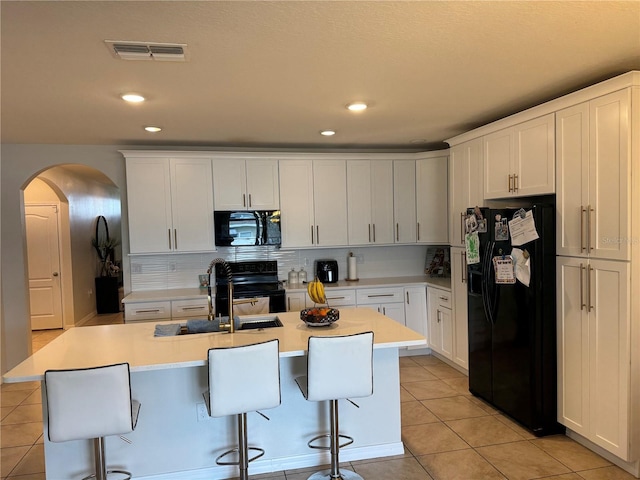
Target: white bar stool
243,379
91,403
338,367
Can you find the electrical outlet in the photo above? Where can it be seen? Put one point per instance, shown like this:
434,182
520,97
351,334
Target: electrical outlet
136,268
359,257
90,292
172,266
201,411
306,262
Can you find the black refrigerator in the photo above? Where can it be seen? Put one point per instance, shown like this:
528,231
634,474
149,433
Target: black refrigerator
512,327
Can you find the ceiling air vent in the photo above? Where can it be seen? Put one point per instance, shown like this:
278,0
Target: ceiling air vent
163,52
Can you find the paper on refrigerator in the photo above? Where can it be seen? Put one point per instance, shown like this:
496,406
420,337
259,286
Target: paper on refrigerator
523,229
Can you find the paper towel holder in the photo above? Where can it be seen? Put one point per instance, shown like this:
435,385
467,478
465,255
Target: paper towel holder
351,266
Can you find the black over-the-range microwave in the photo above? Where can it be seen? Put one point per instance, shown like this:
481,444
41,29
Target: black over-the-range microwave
245,228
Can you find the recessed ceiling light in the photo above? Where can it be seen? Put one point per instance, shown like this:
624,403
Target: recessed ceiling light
357,106
153,129
132,98
327,133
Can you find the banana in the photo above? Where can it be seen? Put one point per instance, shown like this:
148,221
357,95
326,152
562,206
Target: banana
315,289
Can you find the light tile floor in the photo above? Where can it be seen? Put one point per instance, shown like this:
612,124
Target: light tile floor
448,434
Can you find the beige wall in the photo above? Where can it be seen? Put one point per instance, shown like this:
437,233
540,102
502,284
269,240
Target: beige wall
20,164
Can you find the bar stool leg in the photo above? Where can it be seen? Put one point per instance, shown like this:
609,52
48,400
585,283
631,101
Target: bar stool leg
99,458
243,462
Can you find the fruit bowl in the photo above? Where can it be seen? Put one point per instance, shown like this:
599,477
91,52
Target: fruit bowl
319,316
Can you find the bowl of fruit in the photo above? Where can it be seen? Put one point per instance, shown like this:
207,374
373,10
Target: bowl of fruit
319,316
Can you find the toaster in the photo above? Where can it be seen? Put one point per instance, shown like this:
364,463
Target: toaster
327,271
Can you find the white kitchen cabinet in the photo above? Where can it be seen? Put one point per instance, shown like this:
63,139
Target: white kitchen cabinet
440,337
593,322
170,204
246,184
313,202
166,310
593,178
520,160
415,309
459,293
404,201
370,201
465,186
387,300
340,297
432,210
189,308
296,301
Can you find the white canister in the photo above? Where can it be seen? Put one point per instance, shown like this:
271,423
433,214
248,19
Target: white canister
293,277
302,276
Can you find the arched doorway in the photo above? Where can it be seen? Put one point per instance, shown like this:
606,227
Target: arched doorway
82,194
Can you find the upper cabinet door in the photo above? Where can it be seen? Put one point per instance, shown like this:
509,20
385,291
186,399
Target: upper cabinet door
465,186
330,202
192,204
572,179
404,201
382,201
360,202
296,199
608,216
432,200
149,205
241,184
263,186
229,184
520,160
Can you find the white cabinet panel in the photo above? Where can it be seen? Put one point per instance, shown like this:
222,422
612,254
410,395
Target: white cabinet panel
459,294
246,184
330,202
296,301
404,201
189,308
296,185
465,186
147,311
432,200
440,336
415,309
340,297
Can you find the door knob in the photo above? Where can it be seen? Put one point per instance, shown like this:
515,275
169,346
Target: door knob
55,274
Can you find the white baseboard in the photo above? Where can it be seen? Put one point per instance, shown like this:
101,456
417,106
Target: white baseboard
281,464
85,319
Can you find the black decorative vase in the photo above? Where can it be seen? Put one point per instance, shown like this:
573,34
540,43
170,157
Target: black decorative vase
107,298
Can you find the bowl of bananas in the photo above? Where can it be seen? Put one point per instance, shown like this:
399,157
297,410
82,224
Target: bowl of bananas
318,316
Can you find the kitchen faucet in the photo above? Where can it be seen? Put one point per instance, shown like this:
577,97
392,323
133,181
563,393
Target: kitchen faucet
229,326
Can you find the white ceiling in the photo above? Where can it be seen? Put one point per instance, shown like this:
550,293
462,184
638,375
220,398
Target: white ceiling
274,73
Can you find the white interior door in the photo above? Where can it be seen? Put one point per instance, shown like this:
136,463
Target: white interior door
44,266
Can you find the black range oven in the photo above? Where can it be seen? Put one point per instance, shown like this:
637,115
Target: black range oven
255,279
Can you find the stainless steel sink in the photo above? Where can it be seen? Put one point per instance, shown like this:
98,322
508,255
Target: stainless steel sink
197,326
248,322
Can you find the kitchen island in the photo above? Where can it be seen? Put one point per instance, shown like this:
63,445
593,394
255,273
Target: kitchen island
173,439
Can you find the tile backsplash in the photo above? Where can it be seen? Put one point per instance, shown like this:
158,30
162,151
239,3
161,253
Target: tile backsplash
158,272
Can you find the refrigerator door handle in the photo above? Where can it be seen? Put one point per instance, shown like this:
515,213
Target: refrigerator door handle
462,227
463,267
486,297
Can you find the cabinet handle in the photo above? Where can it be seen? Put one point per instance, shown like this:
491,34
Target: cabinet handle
169,231
515,182
312,235
369,233
446,299
582,305
377,295
418,230
157,310
374,233
589,270
397,232
336,298
289,304
244,200
408,303
438,316
510,189
317,235
589,210
384,310
201,307
249,199
463,265
463,226
175,238
582,212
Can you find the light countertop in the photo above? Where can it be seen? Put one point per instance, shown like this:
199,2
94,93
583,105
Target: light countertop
134,343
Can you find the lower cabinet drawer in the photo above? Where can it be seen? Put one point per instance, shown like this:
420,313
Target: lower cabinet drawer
134,312
189,308
369,296
340,298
